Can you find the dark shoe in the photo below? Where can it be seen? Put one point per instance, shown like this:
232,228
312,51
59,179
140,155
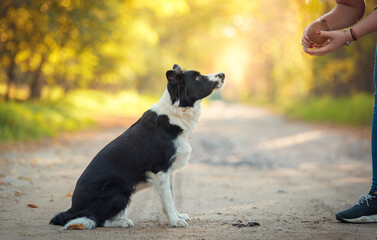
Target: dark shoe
364,211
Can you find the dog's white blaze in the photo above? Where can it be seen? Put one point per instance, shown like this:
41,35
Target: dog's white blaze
213,77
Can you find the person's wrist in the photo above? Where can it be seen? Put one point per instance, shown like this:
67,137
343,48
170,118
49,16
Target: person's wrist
347,37
353,34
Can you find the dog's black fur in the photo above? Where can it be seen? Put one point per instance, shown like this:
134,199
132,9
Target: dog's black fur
105,187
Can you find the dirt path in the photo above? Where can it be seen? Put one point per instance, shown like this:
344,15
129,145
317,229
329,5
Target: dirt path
246,165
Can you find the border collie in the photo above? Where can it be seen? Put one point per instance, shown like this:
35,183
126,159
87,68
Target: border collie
147,154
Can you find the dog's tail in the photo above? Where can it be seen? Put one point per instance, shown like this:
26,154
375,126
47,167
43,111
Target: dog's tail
62,218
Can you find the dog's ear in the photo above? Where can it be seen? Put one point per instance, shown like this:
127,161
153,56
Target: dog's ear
174,76
176,67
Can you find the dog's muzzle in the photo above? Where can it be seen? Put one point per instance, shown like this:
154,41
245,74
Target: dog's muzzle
220,81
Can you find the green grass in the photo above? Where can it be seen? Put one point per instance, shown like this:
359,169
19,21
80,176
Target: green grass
79,109
76,111
355,110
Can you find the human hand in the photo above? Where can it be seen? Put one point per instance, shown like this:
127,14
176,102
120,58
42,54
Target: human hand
305,42
337,40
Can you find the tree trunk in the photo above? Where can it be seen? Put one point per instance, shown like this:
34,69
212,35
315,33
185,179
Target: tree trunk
10,76
36,83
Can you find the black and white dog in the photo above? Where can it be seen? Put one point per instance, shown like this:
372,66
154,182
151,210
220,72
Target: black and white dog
148,153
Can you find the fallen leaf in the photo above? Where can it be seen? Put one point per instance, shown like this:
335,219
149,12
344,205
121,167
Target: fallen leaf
76,227
30,205
24,178
17,193
69,194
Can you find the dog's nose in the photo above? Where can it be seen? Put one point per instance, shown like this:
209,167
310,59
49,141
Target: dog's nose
221,75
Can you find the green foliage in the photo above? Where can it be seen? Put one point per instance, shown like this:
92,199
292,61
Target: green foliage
124,103
354,110
123,44
77,111
26,121
130,44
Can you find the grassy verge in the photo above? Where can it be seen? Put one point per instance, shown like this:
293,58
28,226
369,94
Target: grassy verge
355,110
77,111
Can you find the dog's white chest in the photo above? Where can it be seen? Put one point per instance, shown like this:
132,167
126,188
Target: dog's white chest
183,153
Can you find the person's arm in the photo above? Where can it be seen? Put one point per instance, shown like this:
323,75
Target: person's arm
367,26
338,38
344,14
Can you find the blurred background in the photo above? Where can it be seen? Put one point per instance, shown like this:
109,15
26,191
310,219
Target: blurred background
64,61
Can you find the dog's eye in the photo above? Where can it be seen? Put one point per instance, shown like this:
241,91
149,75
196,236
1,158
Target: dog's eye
197,78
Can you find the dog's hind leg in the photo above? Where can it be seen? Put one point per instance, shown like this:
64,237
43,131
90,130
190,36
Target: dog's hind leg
85,222
183,216
120,220
162,184
107,209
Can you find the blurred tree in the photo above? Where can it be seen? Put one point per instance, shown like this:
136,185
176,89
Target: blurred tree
33,30
131,43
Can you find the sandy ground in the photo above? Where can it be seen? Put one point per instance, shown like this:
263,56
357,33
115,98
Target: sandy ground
247,164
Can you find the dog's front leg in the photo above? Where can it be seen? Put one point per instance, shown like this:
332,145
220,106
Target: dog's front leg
183,216
162,183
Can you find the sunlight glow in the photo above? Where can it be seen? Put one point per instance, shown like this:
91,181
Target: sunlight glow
235,62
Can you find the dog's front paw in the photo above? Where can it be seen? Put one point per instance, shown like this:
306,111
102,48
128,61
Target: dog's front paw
183,216
179,223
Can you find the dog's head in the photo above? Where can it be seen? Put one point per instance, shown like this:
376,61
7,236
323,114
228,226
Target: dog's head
187,87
